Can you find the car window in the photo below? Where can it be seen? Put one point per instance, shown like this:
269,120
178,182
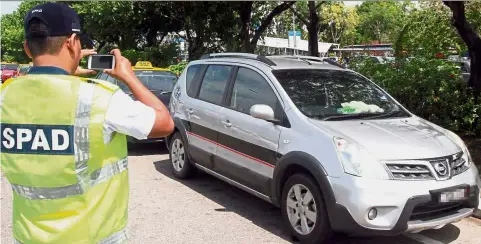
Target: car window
190,75
10,67
250,88
111,79
102,76
154,80
213,85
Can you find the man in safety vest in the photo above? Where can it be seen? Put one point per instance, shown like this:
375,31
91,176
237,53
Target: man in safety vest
63,143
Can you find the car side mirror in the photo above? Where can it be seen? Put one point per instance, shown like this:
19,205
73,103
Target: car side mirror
265,112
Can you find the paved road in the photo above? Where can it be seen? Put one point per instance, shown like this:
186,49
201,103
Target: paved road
207,210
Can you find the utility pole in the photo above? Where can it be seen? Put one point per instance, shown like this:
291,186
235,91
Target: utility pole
294,28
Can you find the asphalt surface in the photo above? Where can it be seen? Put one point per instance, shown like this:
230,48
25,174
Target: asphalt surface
206,210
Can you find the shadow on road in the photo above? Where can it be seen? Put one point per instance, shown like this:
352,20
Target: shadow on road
144,149
261,213
268,217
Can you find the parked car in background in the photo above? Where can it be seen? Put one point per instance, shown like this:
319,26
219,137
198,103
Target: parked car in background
159,81
332,149
9,71
24,68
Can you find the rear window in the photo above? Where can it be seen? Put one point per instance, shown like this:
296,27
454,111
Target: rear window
154,80
10,66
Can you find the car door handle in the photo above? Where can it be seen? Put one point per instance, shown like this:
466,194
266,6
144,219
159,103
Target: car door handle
226,123
190,111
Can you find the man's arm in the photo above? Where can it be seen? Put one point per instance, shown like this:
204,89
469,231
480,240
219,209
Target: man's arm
163,124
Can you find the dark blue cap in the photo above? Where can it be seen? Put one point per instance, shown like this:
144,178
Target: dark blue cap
60,20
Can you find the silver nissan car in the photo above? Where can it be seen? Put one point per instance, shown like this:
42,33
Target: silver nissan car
328,146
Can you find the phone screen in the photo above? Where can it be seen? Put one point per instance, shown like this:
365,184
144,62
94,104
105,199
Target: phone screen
101,62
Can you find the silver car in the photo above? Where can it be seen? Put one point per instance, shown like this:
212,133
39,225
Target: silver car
329,147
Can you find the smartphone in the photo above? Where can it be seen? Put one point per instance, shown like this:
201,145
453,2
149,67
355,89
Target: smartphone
101,62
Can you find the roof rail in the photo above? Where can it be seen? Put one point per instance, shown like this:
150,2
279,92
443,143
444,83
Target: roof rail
311,58
240,55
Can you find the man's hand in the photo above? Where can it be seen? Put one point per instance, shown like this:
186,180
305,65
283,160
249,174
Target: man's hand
86,52
81,71
123,68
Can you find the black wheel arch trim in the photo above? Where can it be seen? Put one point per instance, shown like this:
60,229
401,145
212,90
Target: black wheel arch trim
181,127
308,162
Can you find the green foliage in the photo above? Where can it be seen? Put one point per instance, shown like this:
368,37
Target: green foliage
13,34
380,20
178,68
430,88
162,56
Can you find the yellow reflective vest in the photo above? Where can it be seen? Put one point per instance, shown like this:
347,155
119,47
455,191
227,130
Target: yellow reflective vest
69,185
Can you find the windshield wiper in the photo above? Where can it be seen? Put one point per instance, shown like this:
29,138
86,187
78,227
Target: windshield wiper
391,113
349,116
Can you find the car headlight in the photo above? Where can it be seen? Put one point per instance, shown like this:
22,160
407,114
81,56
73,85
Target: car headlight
456,139
358,161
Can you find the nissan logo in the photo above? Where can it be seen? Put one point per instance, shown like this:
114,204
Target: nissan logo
441,169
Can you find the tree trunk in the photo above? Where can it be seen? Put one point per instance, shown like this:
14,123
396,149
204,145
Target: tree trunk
245,11
312,29
472,40
279,9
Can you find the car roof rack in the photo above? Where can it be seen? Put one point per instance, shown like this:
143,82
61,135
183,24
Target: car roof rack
259,58
311,58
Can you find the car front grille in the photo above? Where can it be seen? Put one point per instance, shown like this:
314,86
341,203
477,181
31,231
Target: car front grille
410,172
442,168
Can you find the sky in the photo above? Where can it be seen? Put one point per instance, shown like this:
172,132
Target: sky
10,6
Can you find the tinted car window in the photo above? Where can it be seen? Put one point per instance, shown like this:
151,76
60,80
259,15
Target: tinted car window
324,93
10,67
154,80
190,75
251,88
213,84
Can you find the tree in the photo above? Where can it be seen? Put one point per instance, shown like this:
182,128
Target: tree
472,40
313,25
380,21
208,27
13,33
250,32
339,21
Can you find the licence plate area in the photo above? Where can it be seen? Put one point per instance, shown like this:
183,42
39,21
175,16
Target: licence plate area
453,194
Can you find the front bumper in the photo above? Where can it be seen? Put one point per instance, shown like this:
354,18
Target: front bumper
402,206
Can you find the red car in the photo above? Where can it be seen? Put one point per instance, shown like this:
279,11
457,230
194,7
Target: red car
9,71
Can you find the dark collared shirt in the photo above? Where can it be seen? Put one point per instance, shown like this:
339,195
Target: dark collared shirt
47,70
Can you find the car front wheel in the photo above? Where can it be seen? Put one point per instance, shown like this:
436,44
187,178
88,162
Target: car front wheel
181,166
303,210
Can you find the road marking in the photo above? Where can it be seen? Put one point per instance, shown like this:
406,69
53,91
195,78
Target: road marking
423,239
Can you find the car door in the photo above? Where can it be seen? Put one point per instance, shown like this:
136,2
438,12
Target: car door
247,151
201,112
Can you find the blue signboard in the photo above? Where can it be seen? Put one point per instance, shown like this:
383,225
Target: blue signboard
291,33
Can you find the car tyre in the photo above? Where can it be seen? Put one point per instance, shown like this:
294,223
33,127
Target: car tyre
180,163
303,210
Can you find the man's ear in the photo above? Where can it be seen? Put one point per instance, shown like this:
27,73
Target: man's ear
27,50
71,41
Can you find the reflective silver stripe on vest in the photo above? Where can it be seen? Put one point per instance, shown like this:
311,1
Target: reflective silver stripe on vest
81,133
106,172
115,238
98,176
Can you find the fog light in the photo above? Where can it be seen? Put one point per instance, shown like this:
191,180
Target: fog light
372,214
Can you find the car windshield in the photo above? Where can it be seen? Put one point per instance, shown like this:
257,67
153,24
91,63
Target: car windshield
154,80
24,69
10,67
336,95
